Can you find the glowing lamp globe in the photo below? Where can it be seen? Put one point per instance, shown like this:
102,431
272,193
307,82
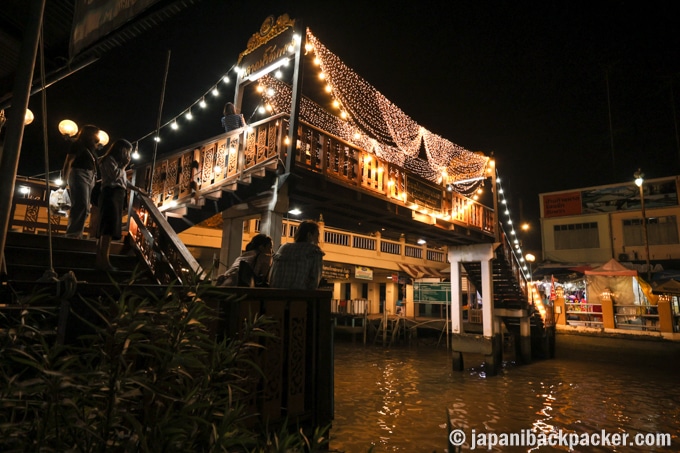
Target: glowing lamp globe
68,128
103,137
28,118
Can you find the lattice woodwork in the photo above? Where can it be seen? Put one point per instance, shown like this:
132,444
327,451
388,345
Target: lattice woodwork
250,151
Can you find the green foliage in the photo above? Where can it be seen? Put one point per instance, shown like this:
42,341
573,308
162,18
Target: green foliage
145,374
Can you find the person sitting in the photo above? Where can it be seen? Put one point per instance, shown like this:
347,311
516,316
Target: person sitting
298,265
231,120
251,269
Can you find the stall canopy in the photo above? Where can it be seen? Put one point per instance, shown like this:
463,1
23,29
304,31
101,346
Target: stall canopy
668,287
624,285
416,271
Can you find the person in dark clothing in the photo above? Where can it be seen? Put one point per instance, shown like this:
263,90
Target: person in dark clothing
232,120
251,269
80,172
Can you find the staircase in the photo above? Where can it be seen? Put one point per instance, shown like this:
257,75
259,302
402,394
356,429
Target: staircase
510,290
28,260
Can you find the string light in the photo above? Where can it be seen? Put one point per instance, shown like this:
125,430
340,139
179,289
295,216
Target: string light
388,132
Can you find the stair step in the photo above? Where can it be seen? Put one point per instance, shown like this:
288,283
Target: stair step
27,258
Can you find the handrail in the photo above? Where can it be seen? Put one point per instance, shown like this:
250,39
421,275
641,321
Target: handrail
159,246
514,263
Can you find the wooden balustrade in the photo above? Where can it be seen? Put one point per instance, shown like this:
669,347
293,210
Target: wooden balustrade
158,245
219,162
296,360
30,211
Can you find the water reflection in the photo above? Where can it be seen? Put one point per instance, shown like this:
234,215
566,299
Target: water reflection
399,400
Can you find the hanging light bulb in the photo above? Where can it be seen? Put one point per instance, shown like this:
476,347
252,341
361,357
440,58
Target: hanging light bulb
28,117
135,153
174,125
225,79
189,116
278,74
103,137
202,103
68,128
215,92
157,139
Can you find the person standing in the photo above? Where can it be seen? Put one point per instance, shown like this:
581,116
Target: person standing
232,120
112,199
298,265
80,172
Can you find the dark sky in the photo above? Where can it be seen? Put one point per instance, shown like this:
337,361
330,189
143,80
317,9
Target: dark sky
526,81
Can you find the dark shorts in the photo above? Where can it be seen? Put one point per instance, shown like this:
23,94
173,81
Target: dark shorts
111,203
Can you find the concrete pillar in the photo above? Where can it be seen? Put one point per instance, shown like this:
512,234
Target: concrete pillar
456,299
408,302
492,343
232,241
525,339
607,313
457,361
560,311
494,361
271,224
487,298
665,315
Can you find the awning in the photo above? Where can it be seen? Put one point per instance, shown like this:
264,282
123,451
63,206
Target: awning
417,271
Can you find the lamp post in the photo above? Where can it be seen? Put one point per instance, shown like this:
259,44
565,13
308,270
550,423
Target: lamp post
639,181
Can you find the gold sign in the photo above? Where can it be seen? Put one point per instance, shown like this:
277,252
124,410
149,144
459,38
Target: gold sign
269,29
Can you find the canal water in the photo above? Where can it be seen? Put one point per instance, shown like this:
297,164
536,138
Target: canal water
399,399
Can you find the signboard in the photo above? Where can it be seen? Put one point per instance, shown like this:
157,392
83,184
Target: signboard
334,273
423,193
269,48
363,273
613,198
94,19
432,293
562,204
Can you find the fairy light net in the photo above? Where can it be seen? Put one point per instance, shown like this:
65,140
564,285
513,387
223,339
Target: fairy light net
366,118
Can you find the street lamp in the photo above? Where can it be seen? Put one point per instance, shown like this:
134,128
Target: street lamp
639,181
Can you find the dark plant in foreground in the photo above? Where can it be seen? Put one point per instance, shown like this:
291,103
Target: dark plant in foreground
145,374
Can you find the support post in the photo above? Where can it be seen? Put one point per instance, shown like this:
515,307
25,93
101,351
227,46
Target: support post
525,339
296,95
10,151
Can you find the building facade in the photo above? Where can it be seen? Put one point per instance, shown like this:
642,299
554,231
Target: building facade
595,224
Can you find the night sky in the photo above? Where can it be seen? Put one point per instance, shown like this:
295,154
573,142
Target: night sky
526,81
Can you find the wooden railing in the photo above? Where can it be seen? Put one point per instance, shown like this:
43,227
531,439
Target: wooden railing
158,245
296,360
219,163
30,212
